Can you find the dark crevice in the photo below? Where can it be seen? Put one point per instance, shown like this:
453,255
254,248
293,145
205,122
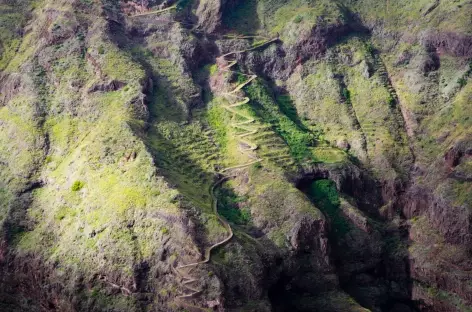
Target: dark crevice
379,275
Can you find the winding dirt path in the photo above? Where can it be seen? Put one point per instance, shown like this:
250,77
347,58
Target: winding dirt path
188,280
184,271
155,11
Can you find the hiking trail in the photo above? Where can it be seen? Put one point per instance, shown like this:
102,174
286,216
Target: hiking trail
246,128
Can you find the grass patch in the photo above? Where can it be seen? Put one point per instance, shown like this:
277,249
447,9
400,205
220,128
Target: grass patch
329,155
292,18
268,110
12,19
216,119
403,15
64,212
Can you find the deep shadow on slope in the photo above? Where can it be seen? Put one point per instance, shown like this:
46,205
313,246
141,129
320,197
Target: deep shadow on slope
370,254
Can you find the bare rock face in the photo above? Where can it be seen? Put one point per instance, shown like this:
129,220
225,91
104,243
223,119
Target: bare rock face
279,62
455,44
313,44
454,222
460,152
305,230
209,14
112,85
343,144
12,85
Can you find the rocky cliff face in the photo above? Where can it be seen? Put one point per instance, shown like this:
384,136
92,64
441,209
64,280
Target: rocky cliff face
332,136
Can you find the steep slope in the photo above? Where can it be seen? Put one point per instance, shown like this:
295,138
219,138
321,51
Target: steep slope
259,155
103,166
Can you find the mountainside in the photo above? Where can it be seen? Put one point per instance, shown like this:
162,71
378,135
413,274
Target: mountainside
223,155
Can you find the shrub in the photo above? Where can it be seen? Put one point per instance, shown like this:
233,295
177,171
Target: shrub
391,100
77,186
369,47
462,82
288,108
298,19
213,69
257,165
347,95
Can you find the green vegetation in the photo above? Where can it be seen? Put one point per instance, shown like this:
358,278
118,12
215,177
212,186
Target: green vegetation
243,17
268,110
211,69
231,206
330,155
347,95
372,106
65,212
347,106
119,65
369,47
404,15
277,16
298,17
92,142
325,107
242,127
288,108
129,170
275,200
25,155
77,186
13,17
187,156
462,81
324,195
217,121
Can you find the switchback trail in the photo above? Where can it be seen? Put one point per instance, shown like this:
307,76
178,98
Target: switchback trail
246,146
